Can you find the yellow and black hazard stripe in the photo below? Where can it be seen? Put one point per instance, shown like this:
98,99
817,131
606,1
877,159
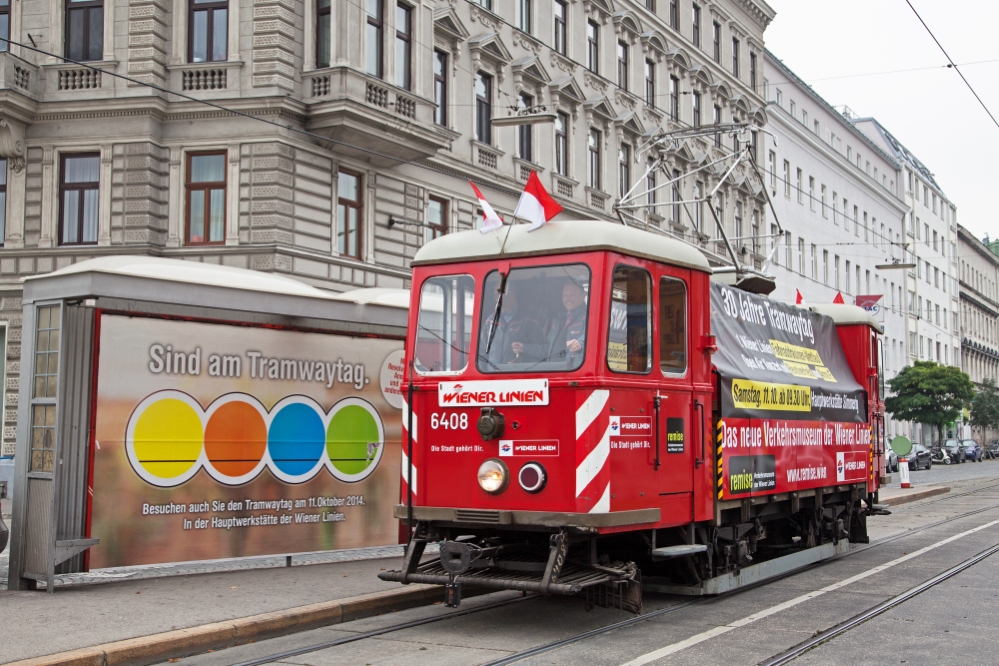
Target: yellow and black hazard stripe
720,429
870,458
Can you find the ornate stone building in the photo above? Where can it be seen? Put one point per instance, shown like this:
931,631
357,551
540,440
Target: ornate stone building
979,279
351,114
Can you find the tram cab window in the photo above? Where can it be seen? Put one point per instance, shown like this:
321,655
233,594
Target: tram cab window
444,329
672,326
538,323
629,342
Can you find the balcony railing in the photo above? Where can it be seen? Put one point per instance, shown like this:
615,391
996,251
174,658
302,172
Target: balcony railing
16,74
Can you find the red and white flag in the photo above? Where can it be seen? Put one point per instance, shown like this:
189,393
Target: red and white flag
490,220
536,205
839,299
798,298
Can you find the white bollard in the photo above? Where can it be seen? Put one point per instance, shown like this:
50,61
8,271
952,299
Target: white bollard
903,472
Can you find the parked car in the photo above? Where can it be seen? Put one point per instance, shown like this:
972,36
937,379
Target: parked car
919,457
992,449
954,450
972,450
891,461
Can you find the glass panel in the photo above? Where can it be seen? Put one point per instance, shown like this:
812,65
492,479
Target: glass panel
341,228
539,324
208,168
629,343
323,4
402,19
3,216
374,49
352,229
4,27
435,212
95,40
54,319
444,329
3,172
402,63
199,36
90,208
323,29
216,220
82,169
347,186
74,34
672,326
220,34
196,206
375,8
70,216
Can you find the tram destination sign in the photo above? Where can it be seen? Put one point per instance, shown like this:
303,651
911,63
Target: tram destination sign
495,393
782,362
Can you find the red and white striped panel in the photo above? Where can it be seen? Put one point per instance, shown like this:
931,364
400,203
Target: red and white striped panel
593,453
405,447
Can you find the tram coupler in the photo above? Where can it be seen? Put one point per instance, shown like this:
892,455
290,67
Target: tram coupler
414,551
452,594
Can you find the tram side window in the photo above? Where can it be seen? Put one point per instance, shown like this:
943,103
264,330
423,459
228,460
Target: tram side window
539,324
672,326
629,344
444,329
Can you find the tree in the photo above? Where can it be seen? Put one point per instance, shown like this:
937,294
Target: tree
985,406
929,393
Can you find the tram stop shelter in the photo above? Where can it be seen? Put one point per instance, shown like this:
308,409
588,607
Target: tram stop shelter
175,411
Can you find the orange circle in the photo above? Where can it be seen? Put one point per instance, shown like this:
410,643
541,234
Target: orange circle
235,438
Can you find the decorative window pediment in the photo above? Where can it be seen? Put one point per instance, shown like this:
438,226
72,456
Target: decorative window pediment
759,116
740,103
566,92
681,152
599,10
627,26
449,26
631,124
531,70
679,58
490,49
722,90
654,45
701,75
600,109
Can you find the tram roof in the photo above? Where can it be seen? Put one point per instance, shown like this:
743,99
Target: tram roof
561,237
847,314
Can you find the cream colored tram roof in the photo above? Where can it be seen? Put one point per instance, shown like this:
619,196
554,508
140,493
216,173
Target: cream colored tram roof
847,314
560,237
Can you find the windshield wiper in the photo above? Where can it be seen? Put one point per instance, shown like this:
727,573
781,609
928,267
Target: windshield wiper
496,313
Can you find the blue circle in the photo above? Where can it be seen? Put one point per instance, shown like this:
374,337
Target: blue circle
296,439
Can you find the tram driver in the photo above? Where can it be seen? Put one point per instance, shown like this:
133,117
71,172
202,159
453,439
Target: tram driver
512,330
565,337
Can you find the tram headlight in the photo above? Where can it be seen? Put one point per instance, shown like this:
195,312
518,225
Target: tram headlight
493,476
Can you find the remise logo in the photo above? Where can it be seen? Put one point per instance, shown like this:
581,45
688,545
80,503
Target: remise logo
170,437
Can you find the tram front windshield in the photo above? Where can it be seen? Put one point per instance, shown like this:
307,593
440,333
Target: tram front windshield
537,323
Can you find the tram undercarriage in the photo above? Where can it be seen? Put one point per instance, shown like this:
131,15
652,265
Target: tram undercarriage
749,541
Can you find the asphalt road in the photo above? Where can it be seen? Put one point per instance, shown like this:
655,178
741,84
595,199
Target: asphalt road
948,624
949,474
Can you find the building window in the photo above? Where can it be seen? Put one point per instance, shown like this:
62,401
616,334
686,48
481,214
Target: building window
674,15
79,189
622,65
787,178
675,197
695,25
440,87
593,146
674,98
5,24
373,38
624,175
651,5
562,144
323,33
650,186
526,7
773,171
696,115
717,121
488,4
205,198
436,218
801,192
593,47
43,403
560,22
716,41
735,57
525,147
752,71
754,144
483,107
85,29
801,256
348,214
650,83
811,193
403,48
3,202
209,31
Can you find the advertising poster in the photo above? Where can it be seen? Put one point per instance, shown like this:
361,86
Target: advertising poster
793,415
217,441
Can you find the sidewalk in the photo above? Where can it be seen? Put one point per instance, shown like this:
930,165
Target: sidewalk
896,496
37,623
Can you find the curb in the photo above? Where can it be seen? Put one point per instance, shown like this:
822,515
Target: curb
917,495
157,648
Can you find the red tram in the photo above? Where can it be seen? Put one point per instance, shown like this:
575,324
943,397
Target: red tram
588,411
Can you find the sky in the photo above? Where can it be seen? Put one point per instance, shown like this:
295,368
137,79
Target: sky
930,111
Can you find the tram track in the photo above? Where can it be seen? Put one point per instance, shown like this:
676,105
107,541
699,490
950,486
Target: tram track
555,645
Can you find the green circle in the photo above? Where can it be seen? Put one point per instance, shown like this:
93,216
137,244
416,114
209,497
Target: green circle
901,445
350,432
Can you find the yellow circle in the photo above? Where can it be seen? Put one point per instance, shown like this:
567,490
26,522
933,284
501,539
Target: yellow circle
168,438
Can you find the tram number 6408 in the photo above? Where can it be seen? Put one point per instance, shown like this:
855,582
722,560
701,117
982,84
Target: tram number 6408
449,421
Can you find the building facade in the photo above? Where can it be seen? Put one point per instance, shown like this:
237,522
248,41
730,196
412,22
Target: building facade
329,139
837,198
979,281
